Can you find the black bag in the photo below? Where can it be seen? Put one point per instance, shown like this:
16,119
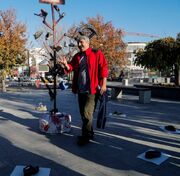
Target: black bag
101,118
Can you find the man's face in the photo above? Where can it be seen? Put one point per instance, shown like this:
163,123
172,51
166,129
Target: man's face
83,45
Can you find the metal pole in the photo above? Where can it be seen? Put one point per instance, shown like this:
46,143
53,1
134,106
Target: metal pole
29,68
54,41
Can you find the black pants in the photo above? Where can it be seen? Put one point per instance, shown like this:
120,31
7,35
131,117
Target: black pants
87,103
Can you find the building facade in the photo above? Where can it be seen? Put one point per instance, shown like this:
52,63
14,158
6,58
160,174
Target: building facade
132,69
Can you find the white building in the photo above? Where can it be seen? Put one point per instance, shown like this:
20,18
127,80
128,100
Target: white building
132,47
38,60
38,54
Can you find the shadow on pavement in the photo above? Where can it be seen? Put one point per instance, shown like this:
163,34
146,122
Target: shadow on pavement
11,156
116,148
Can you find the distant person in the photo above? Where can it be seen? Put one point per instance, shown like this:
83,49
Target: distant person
121,76
19,81
90,76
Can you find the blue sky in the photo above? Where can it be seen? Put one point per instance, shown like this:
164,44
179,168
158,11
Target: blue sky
154,17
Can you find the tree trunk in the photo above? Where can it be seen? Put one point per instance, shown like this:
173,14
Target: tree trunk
177,75
3,81
3,85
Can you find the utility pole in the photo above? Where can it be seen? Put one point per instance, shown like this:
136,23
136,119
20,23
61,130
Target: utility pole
28,61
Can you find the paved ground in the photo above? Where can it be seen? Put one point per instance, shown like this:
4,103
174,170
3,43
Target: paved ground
114,150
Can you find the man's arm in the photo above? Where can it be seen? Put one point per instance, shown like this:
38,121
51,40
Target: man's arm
103,87
103,66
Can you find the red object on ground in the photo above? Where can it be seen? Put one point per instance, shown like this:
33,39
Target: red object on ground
38,83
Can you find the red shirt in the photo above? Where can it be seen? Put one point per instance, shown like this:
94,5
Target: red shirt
97,68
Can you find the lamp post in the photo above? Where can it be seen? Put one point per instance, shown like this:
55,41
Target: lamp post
28,61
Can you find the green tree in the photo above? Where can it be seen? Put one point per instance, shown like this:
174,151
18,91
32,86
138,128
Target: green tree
12,43
161,55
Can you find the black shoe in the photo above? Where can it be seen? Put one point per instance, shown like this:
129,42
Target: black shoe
91,137
152,154
82,141
30,170
170,128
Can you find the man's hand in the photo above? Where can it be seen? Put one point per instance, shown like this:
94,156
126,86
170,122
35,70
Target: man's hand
103,87
63,61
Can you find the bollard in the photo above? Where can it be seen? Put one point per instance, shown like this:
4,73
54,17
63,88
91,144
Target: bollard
125,82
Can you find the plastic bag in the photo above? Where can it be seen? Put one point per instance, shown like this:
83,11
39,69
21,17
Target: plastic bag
55,123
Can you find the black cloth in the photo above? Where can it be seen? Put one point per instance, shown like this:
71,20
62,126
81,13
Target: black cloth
101,118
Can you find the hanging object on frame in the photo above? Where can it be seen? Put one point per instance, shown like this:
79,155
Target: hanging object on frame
52,1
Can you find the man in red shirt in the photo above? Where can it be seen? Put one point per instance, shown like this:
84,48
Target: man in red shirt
90,76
